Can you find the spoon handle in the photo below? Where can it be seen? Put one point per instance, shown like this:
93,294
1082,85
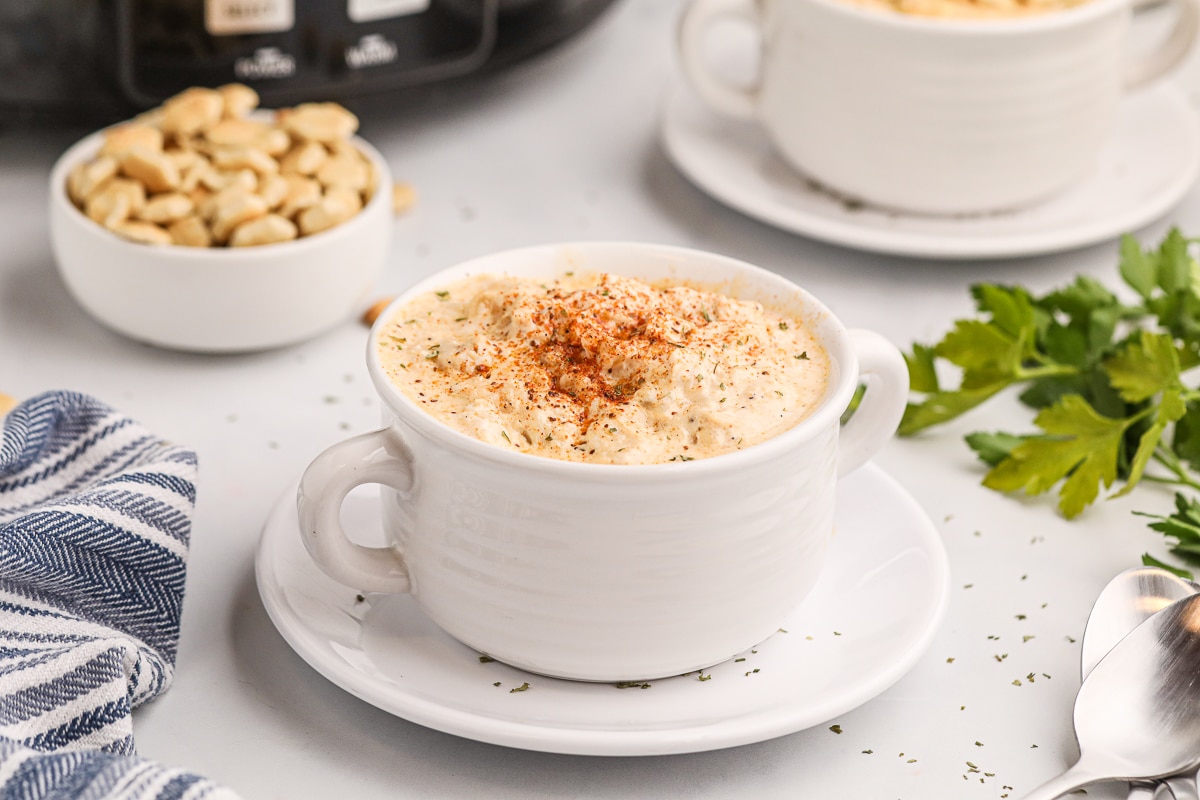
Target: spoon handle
1076,777
1144,790
1183,787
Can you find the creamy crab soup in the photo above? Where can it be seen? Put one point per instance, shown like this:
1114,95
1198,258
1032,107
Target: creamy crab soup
969,9
603,368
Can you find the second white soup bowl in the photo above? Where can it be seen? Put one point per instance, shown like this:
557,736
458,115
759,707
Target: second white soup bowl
928,114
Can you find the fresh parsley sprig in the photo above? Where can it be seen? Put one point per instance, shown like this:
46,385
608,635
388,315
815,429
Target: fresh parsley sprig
1105,377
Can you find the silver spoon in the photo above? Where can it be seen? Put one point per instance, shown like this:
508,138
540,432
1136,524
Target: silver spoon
1128,600
1137,716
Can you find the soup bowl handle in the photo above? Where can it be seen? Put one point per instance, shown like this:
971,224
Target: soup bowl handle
1178,43
376,457
740,102
882,368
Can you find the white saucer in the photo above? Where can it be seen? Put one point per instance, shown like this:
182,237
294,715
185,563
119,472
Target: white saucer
870,618
1150,163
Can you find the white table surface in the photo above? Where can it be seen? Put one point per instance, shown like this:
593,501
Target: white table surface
565,148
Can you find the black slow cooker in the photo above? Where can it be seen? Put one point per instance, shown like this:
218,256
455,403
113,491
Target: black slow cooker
100,60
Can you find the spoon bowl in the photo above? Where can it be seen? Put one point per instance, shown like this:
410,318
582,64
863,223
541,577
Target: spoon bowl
1137,716
1127,601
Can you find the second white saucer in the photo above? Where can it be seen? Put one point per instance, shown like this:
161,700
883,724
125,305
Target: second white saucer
1149,164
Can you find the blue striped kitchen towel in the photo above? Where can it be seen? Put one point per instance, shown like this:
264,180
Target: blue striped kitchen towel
95,515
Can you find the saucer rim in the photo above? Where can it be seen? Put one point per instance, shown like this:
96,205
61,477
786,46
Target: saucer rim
841,228
731,730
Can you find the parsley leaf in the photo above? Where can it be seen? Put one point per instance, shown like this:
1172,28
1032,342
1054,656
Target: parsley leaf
1183,526
922,374
1144,367
991,354
1150,561
992,448
1082,448
1186,441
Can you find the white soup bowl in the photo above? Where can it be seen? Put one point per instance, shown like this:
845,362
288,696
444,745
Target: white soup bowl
597,571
